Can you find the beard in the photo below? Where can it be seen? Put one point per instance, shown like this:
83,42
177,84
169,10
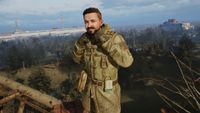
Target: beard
91,30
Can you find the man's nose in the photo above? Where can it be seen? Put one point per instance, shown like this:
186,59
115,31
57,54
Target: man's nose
89,24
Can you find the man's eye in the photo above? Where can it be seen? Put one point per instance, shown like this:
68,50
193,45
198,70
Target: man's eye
93,21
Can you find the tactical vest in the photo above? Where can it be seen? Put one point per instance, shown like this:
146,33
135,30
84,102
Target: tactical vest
98,64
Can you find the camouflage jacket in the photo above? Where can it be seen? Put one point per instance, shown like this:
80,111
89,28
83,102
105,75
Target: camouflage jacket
103,54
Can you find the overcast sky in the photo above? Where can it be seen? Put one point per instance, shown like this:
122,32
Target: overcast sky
47,14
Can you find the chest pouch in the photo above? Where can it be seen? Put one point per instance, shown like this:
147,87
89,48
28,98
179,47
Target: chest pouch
104,63
108,86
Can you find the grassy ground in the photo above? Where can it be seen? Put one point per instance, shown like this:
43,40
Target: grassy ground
53,72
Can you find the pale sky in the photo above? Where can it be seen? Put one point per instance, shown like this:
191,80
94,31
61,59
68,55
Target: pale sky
47,14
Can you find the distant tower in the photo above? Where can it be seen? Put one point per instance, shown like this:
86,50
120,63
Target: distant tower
17,29
62,21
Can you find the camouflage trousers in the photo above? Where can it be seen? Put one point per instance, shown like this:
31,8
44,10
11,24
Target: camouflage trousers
96,100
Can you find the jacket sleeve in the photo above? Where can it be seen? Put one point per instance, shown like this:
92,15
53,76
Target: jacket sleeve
118,50
77,53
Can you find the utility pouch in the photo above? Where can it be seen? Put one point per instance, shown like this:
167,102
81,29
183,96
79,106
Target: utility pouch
104,63
82,81
108,85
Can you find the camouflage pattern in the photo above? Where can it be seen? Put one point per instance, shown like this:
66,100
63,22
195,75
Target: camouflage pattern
102,54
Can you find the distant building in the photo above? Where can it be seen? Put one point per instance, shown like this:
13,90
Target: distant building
172,25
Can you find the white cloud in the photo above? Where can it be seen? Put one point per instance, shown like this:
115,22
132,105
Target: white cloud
134,7
146,2
128,10
48,7
120,7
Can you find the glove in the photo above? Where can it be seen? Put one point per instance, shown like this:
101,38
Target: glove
102,37
82,41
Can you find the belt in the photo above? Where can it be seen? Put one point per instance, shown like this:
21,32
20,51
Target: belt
101,83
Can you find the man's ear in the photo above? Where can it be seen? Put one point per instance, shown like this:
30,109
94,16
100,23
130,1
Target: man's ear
101,22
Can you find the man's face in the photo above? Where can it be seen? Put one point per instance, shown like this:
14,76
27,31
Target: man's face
92,22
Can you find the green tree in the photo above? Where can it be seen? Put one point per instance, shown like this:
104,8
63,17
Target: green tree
186,46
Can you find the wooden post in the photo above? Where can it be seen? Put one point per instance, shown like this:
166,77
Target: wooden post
9,98
36,95
33,94
34,106
21,107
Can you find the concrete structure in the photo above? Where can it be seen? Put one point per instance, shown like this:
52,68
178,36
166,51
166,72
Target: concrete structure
172,25
52,32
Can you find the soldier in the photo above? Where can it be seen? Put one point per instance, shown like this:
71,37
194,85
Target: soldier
102,51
